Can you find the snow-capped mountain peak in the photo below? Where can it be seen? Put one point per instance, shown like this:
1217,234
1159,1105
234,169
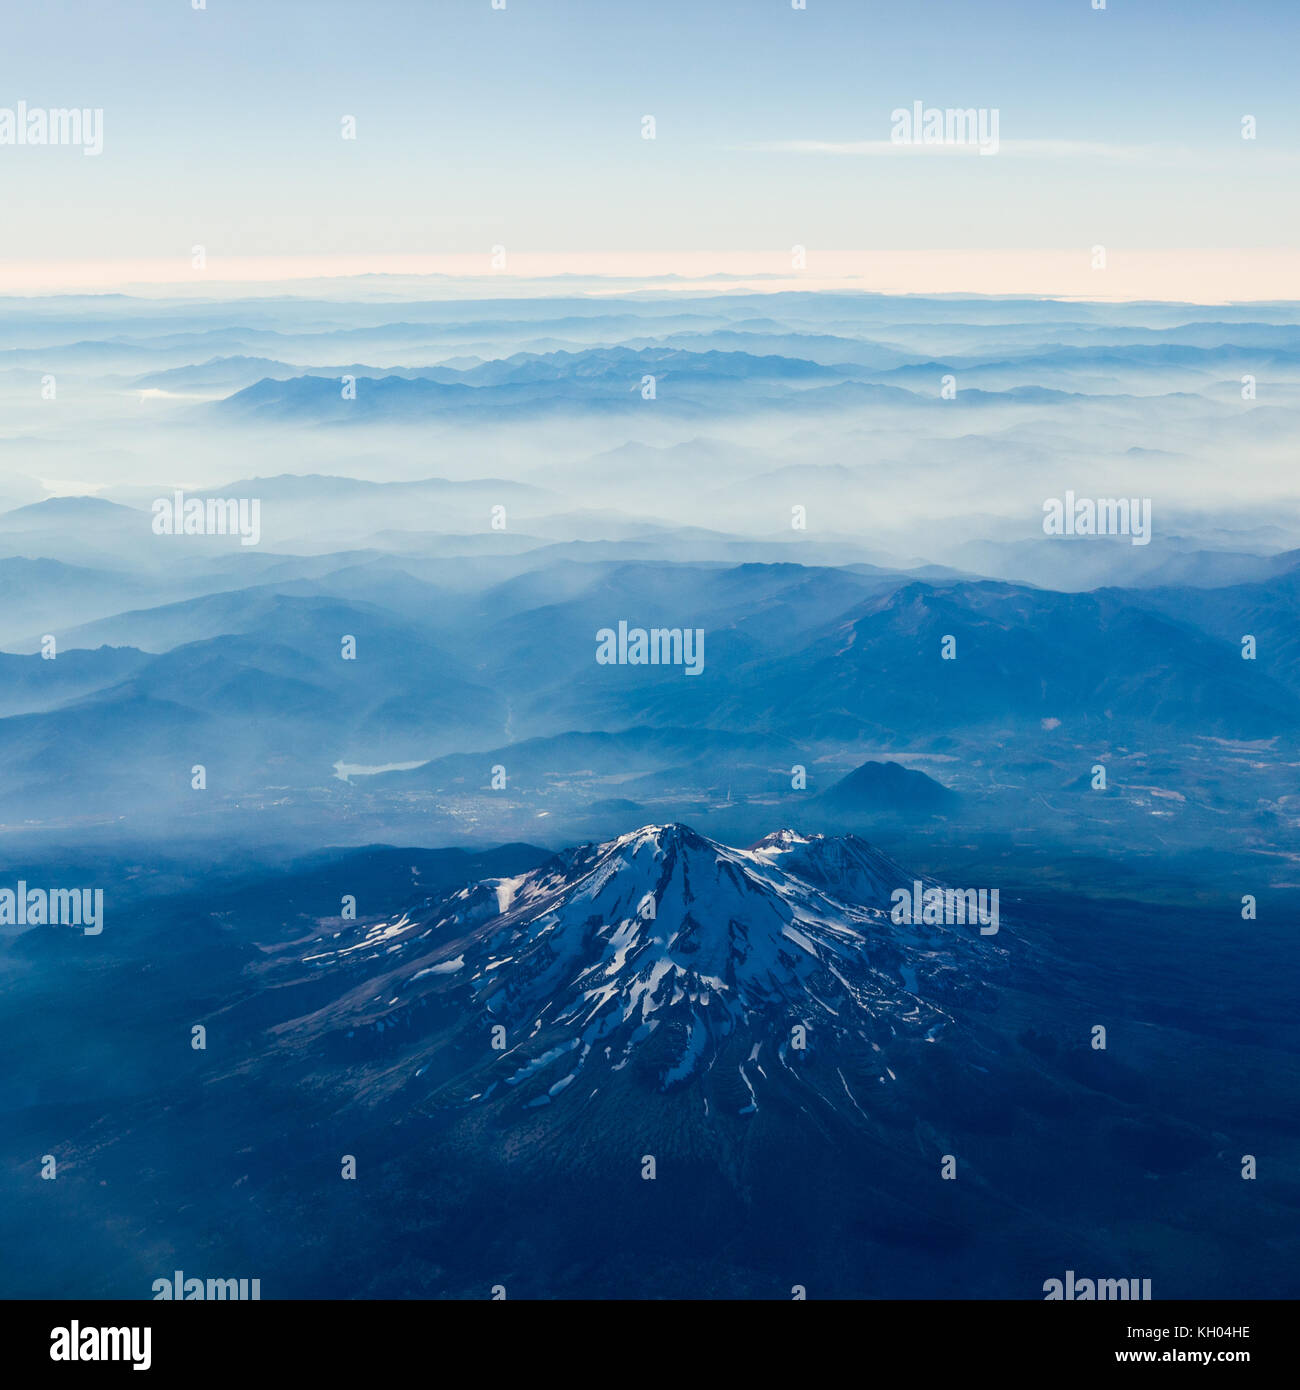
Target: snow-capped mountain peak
666,944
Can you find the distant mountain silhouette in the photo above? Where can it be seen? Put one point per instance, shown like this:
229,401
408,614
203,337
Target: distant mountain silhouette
54,510
889,789
531,383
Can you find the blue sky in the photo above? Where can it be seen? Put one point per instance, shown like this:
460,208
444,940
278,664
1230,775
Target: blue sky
523,126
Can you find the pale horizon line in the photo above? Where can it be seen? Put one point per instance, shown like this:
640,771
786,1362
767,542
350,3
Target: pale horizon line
1192,276
1048,148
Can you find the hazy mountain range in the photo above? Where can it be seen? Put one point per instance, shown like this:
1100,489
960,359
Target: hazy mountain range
529,796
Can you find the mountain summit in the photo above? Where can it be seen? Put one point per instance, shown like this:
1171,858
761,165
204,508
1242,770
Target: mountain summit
666,949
